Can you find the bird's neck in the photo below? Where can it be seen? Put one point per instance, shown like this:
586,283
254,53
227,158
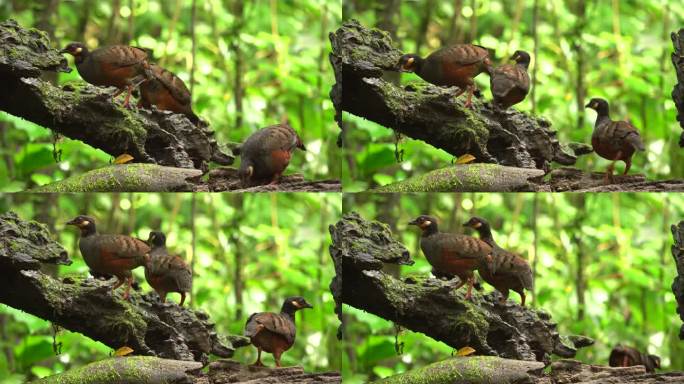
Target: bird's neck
602,114
288,312
88,231
82,56
430,230
420,65
486,235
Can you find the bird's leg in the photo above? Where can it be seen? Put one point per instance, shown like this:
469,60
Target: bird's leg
471,281
129,282
628,165
608,178
276,178
119,282
460,92
182,298
258,363
624,361
117,93
277,358
469,102
461,282
127,100
522,299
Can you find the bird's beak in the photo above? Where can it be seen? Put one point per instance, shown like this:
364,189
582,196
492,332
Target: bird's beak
589,105
63,51
515,57
307,305
71,222
413,222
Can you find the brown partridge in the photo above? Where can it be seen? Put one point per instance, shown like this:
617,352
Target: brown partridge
275,332
510,83
449,253
110,254
265,154
119,66
456,65
613,140
167,92
166,273
502,269
622,356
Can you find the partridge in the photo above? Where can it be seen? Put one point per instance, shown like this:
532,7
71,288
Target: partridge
449,253
622,356
164,272
120,66
613,140
108,254
456,65
502,269
266,154
167,92
510,83
275,332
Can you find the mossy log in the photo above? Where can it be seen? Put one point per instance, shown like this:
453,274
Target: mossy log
425,304
678,283
678,90
88,306
85,112
467,178
431,113
469,370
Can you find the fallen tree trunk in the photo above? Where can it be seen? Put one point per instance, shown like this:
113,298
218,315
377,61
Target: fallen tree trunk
360,248
84,112
678,283
88,306
678,90
430,113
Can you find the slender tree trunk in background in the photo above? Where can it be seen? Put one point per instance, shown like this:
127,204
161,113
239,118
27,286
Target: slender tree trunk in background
83,20
617,224
7,156
46,24
172,27
131,23
579,26
580,205
421,32
238,92
617,35
387,213
46,215
472,35
130,223
193,21
455,27
111,219
111,37
535,56
535,245
387,14
177,202
519,7
238,204
193,243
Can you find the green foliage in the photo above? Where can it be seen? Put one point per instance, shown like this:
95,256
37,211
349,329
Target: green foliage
284,72
626,47
624,240
281,240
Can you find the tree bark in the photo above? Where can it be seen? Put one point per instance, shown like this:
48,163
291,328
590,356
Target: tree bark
430,113
89,307
678,283
74,109
359,250
678,90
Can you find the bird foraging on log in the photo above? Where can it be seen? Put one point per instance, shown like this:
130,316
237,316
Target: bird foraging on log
449,253
110,254
265,154
164,272
613,140
510,83
119,66
456,65
167,92
502,269
623,356
275,332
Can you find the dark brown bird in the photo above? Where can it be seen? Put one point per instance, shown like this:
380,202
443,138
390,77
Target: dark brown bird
275,332
502,269
110,254
613,140
118,66
266,154
449,253
167,92
455,65
510,83
164,272
622,356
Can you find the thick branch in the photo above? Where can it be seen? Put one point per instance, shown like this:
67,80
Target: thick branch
678,283
431,306
678,90
84,112
430,113
89,307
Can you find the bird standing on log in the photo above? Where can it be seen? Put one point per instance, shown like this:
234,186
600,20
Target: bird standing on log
167,92
510,83
110,254
613,140
449,253
265,154
502,269
275,332
622,356
164,272
456,65
120,66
